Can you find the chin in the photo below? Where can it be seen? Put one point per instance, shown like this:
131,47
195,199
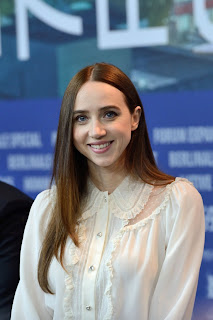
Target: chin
104,164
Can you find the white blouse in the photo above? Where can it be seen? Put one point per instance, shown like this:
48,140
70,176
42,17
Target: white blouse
139,256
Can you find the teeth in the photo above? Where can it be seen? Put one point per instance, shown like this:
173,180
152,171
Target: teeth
100,146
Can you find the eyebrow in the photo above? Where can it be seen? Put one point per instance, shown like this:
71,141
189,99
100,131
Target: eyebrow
101,109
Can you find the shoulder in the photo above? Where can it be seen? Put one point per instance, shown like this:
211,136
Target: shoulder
184,211
13,200
184,205
9,194
182,192
40,212
44,202
46,197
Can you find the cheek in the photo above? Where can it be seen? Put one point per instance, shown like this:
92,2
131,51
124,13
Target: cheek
124,131
124,137
77,137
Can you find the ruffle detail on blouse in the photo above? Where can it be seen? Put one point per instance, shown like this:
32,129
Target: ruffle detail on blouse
116,241
159,209
126,201
127,209
73,258
91,211
108,290
92,202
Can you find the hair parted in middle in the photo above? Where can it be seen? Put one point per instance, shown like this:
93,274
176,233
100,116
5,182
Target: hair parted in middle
70,169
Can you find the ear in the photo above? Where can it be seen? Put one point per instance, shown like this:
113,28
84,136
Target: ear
136,117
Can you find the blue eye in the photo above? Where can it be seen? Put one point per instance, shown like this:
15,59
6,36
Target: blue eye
110,114
80,118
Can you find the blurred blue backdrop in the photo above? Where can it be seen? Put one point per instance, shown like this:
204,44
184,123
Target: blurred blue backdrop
165,47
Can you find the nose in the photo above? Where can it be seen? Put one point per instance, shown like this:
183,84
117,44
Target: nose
97,129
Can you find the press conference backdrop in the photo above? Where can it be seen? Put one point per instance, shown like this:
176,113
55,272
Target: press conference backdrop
165,47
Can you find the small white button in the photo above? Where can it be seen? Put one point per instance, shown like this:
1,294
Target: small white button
99,234
105,198
88,308
91,268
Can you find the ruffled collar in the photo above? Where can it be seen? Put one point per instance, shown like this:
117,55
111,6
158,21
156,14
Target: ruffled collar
125,202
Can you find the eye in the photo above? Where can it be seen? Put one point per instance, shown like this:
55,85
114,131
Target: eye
80,118
110,114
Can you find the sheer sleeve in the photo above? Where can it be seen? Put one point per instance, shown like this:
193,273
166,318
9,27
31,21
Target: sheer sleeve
29,300
174,294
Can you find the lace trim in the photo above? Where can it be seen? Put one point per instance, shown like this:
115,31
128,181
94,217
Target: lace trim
159,209
73,258
126,201
117,239
122,212
108,291
92,211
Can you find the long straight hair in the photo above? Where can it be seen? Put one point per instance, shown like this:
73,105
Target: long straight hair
70,169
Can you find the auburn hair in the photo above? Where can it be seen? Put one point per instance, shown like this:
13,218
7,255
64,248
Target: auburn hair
70,169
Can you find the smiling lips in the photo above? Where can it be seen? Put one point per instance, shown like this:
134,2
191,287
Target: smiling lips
100,147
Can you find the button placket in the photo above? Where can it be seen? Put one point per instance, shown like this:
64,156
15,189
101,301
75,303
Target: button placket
94,258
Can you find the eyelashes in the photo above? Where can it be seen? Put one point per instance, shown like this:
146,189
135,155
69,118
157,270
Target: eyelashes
80,118
109,115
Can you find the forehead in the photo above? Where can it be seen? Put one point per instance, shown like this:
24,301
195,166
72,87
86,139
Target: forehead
98,94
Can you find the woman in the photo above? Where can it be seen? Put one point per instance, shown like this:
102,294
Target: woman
115,237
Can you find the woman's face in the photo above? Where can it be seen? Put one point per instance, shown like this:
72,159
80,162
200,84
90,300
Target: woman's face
102,124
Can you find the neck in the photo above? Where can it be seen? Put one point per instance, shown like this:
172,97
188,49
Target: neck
106,179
